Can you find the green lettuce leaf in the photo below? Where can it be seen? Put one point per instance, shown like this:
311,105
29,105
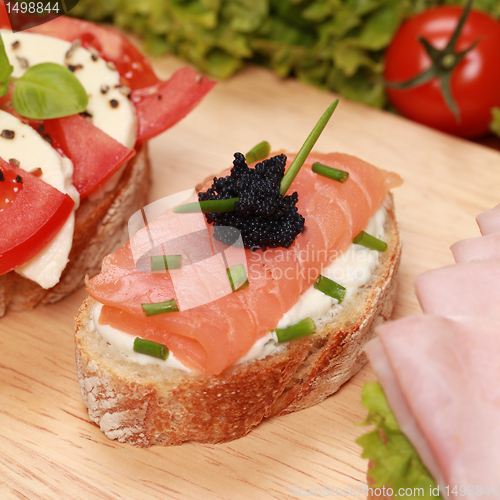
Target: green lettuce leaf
337,45
396,463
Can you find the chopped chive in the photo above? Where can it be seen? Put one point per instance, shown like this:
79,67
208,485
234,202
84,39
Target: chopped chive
160,307
151,348
237,277
369,241
301,329
304,151
330,172
165,262
258,152
329,287
207,206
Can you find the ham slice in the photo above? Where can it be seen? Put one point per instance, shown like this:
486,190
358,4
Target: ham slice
489,221
471,288
405,419
445,372
474,249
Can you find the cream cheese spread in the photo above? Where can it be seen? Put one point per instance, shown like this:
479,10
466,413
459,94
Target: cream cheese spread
352,269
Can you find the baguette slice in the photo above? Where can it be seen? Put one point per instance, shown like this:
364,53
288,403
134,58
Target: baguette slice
146,405
100,228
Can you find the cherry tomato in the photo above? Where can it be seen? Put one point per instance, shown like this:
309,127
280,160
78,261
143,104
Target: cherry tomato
475,81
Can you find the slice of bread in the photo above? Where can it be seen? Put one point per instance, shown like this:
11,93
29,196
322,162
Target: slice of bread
146,405
100,228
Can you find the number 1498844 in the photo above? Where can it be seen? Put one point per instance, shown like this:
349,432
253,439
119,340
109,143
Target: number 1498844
32,7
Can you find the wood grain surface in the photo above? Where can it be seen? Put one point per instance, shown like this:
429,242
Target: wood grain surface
48,447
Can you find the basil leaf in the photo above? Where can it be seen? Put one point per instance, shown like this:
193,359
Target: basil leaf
48,91
5,69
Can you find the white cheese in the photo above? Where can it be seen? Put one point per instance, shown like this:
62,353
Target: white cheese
352,269
33,152
118,122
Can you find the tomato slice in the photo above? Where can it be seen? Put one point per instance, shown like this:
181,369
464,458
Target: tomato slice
133,67
159,104
4,18
162,106
31,218
95,155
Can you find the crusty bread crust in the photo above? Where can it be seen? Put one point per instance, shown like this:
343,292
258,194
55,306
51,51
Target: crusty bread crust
146,405
100,228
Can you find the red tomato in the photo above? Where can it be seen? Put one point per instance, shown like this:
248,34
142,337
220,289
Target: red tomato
4,18
95,155
114,47
133,67
159,104
475,82
160,107
31,218
10,185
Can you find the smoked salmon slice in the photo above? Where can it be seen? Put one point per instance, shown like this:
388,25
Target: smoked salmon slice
212,336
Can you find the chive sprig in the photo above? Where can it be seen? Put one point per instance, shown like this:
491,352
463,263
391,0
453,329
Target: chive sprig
165,262
306,148
208,206
237,277
330,288
151,348
303,328
330,172
369,241
258,152
160,307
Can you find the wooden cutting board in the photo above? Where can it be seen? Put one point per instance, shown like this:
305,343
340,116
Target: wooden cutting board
48,447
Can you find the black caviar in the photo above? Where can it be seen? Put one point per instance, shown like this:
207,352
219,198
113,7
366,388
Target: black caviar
265,218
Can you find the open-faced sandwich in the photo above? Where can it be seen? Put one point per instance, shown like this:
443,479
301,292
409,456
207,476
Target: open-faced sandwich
436,406
78,104
182,340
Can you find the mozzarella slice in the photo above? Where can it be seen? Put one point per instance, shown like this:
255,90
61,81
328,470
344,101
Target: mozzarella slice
112,111
33,152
